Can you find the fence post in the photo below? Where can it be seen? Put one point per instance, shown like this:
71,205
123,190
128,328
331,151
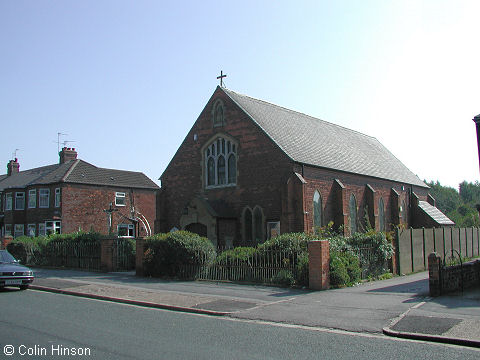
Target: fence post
434,274
106,255
139,251
319,265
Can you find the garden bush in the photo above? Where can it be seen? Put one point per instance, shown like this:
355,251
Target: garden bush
290,249
284,278
379,250
344,269
170,254
41,250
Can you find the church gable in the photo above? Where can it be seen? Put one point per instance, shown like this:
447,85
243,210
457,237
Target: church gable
225,156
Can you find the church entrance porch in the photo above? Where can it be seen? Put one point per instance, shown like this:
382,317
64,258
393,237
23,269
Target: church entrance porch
211,219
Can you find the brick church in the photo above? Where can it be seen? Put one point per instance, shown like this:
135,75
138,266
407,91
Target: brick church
249,170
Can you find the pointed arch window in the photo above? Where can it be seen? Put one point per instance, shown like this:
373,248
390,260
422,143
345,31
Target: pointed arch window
353,214
381,214
258,221
218,113
317,209
404,212
253,224
248,224
221,163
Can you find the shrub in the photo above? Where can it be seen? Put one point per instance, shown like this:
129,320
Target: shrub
293,242
344,269
176,254
238,255
376,244
284,278
338,271
289,248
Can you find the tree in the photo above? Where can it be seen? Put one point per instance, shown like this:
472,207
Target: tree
459,206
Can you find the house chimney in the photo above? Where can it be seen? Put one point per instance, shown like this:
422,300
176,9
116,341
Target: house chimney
67,154
13,167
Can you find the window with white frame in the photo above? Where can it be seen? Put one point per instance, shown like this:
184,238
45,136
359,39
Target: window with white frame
221,163
41,229
8,229
53,227
126,230
57,197
19,201
120,199
19,230
32,198
44,198
8,201
31,230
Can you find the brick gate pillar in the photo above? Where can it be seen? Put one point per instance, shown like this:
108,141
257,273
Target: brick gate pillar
106,255
434,274
319,265
139,251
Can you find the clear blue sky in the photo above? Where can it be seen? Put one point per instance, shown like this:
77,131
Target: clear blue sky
126,80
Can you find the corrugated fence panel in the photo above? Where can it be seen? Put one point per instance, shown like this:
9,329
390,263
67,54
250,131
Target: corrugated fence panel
476,241
405,251
418,255
456,241
429,244
448,243
467,233
439,245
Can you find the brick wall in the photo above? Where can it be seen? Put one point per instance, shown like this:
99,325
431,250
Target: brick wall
446,279
82,207
323,181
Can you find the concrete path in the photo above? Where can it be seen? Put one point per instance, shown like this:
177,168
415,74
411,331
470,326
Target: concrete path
397,307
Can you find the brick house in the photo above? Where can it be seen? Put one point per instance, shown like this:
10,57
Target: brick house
249,169
72,195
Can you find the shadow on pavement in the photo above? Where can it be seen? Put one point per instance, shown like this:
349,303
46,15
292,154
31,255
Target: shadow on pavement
417,288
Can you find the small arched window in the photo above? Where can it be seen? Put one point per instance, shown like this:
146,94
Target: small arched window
381,214
258,221
248,224
404,212
353,214
221,163
317,210
218,113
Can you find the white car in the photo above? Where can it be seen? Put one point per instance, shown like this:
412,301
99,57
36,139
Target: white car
12,273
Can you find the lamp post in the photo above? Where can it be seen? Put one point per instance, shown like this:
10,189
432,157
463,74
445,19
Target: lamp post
476,119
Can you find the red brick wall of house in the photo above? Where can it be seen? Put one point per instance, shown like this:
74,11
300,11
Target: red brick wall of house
33,215
82,207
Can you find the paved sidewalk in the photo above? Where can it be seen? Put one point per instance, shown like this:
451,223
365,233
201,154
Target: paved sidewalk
397,307
452,318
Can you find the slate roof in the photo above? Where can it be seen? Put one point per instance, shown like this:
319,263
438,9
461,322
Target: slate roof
439,217
78,172
316,142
